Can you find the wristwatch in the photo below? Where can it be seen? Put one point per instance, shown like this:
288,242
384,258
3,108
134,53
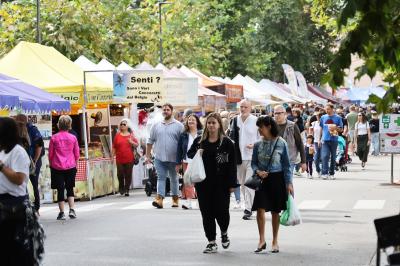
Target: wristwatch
1,166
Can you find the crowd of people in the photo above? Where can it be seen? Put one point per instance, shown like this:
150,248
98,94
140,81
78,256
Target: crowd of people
235,146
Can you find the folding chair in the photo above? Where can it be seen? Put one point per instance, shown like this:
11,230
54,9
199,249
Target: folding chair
388,231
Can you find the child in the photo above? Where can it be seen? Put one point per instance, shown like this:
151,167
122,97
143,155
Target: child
309,148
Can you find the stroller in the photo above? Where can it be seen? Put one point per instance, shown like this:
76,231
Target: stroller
150,181
341,153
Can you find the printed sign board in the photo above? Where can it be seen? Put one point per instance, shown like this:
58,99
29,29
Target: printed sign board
145,86
181,91
389,129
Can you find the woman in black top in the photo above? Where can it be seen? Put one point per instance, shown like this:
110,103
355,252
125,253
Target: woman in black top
214,192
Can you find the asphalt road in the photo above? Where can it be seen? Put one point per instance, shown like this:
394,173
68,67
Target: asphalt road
337,227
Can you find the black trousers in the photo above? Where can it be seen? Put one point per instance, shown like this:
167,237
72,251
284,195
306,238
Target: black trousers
362,147
214,207
35,183
12,251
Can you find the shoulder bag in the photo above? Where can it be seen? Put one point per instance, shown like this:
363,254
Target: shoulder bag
255,182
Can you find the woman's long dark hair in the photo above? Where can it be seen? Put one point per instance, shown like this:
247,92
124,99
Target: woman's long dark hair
268,121
221,133
9,135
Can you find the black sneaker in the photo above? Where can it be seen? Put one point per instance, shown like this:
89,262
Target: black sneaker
72,214
211,248
61,216
225,241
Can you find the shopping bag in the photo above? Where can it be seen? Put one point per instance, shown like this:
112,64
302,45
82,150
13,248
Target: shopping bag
195,172
291,216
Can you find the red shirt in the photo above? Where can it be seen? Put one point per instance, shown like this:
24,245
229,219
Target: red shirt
123,149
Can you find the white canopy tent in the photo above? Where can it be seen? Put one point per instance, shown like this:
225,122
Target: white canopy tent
124,66
270,85
253,93
278,97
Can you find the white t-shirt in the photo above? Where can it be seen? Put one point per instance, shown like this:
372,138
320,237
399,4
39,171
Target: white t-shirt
362,129
190,142
248,134
317,131
18,160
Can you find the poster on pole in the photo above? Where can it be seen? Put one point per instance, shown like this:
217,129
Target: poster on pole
145,86
389,129
292,80
181,91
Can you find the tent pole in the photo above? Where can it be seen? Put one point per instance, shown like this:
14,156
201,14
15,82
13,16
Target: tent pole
85,135
111,144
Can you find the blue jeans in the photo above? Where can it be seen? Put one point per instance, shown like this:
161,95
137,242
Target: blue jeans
237,193
164,170
328,152
317,158
375,143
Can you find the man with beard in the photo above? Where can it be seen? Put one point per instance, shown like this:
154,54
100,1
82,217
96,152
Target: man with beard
331,125
164,136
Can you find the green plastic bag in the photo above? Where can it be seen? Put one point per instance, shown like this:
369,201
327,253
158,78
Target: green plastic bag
291,216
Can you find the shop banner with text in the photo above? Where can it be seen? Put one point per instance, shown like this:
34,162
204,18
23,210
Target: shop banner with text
145,86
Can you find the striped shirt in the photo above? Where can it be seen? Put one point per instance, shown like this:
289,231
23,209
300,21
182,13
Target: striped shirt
164,138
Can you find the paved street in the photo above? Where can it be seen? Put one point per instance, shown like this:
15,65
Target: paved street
337,227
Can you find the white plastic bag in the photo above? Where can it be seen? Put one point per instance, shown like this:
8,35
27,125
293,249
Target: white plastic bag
292,215
195,172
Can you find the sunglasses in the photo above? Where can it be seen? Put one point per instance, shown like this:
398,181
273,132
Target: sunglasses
279,113
122,124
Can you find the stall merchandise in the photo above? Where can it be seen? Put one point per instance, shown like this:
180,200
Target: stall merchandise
49,70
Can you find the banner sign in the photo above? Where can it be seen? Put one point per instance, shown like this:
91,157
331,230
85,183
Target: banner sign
72,97
292,80
181,91
145,86
389,129
302,89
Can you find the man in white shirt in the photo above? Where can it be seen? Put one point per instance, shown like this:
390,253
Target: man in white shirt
247,134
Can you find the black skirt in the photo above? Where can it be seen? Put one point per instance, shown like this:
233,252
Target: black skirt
273,194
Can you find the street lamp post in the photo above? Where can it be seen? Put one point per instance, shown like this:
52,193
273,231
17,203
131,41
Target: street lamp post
160,3
38,37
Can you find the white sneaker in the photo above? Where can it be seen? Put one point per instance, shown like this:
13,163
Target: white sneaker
237,205
319,175
309,176
332,177
297,173
325,177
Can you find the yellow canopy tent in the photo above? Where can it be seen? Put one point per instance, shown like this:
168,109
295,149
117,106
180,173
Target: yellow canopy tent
48,69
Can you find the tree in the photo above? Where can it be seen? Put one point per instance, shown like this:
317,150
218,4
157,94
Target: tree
373,30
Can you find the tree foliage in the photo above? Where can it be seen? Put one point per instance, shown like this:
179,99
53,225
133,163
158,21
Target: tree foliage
219,37
373,33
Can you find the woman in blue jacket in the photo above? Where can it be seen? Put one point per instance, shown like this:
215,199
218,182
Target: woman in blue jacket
193,129
270,161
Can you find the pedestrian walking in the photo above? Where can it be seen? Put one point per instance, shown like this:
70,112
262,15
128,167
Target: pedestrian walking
22,238
310,151
270,161
213,193
193,129
315,131
163,142
63,159
289,131
36,152
244,133
331,124
351,122
124,145
362,138
374,127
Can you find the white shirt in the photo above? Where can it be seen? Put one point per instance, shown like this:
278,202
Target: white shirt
248,134
18,160
317,131
190,142
362,129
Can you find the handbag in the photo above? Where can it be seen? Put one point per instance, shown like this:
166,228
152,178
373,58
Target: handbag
136,154
195,172
255,182
32,166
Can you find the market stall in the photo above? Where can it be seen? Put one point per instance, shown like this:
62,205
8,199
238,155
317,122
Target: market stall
19,97
89,97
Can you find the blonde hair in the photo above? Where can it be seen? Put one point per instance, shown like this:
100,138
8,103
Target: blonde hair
221,133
